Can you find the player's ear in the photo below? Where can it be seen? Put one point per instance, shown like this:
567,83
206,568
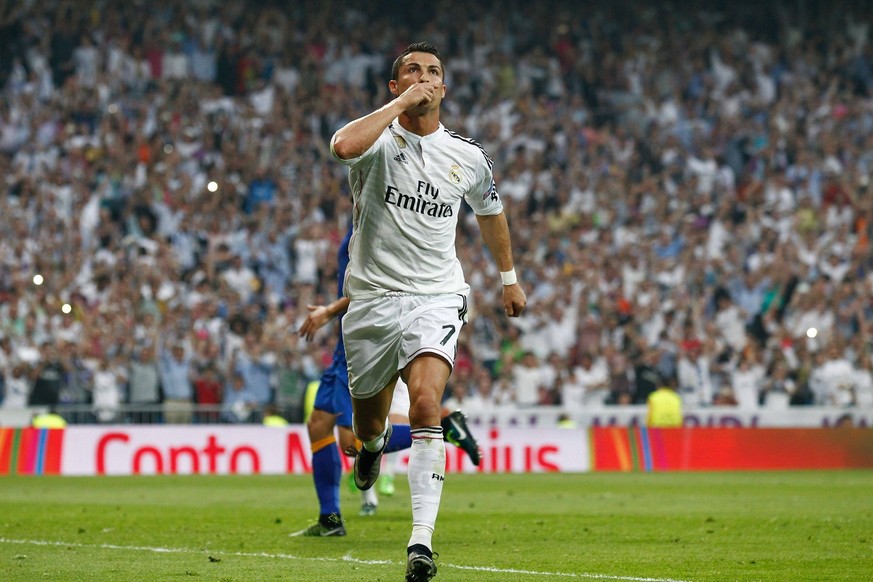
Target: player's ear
392,86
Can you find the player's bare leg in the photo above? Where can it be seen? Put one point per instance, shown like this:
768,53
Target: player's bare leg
426,376
326,475
371,426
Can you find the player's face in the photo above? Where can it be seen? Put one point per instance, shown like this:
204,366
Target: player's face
422,68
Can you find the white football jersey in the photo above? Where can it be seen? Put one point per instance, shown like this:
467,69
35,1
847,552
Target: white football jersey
406,193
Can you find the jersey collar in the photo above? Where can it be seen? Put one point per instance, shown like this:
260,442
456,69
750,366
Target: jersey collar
414,137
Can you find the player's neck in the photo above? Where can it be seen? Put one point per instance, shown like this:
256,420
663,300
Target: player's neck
420,124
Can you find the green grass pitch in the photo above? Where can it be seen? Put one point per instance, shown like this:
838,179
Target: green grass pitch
647,527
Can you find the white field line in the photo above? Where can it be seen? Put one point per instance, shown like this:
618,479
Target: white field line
346,558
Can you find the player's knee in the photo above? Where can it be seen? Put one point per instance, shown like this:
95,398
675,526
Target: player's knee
320,425
368,431
425,410
348,442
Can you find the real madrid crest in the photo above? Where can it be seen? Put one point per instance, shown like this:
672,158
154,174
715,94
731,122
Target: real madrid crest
398,139
455,174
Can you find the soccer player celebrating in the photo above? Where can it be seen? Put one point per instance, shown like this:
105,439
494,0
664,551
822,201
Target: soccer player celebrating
407,292
333,408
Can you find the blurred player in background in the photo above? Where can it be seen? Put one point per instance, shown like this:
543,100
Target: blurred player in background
333,408
408,296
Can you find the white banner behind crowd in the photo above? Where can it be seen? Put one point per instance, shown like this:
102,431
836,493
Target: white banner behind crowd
252,449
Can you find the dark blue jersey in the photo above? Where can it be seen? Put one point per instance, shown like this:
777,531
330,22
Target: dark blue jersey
342,263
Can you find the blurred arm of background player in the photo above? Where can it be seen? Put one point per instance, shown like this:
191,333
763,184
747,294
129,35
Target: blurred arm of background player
319,315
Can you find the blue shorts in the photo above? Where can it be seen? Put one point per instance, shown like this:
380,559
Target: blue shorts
333,391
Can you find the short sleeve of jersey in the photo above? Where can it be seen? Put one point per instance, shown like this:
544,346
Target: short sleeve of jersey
483,197
364,157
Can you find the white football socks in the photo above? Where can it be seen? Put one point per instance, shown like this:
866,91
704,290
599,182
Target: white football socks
375,445
426,473
390,462
369,496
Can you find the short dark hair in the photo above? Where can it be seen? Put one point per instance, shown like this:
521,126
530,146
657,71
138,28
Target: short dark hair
416,47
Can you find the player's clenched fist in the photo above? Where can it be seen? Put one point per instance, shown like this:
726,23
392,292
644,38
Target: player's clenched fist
514,300
417,94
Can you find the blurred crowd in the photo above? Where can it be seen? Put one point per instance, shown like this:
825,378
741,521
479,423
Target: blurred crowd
687,187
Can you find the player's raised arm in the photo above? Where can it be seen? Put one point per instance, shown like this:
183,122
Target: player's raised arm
357,136
495,233
417,106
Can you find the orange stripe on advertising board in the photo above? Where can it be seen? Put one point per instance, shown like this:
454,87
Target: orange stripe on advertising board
610,450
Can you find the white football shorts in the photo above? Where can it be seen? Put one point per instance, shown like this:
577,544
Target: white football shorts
383,334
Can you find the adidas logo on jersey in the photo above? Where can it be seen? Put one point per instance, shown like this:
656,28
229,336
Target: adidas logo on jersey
401,157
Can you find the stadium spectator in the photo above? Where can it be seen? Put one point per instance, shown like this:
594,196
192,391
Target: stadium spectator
863,381
262,190
238,403
593,381
144,384
5,364
106,395
310,250
647,376
174,367
778,386
664,408
272,417
290,385
483,397
528,377
208,392
240,278
694,375
78,381
746,380
833,383
48,420
47,377
460,398
17,387
255,362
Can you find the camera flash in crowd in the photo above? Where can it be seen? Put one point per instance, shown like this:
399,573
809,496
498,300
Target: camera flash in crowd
811,333
37,279
212,186
168,148
66,308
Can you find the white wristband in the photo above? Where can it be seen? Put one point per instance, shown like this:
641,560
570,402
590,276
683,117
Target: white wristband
509,277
